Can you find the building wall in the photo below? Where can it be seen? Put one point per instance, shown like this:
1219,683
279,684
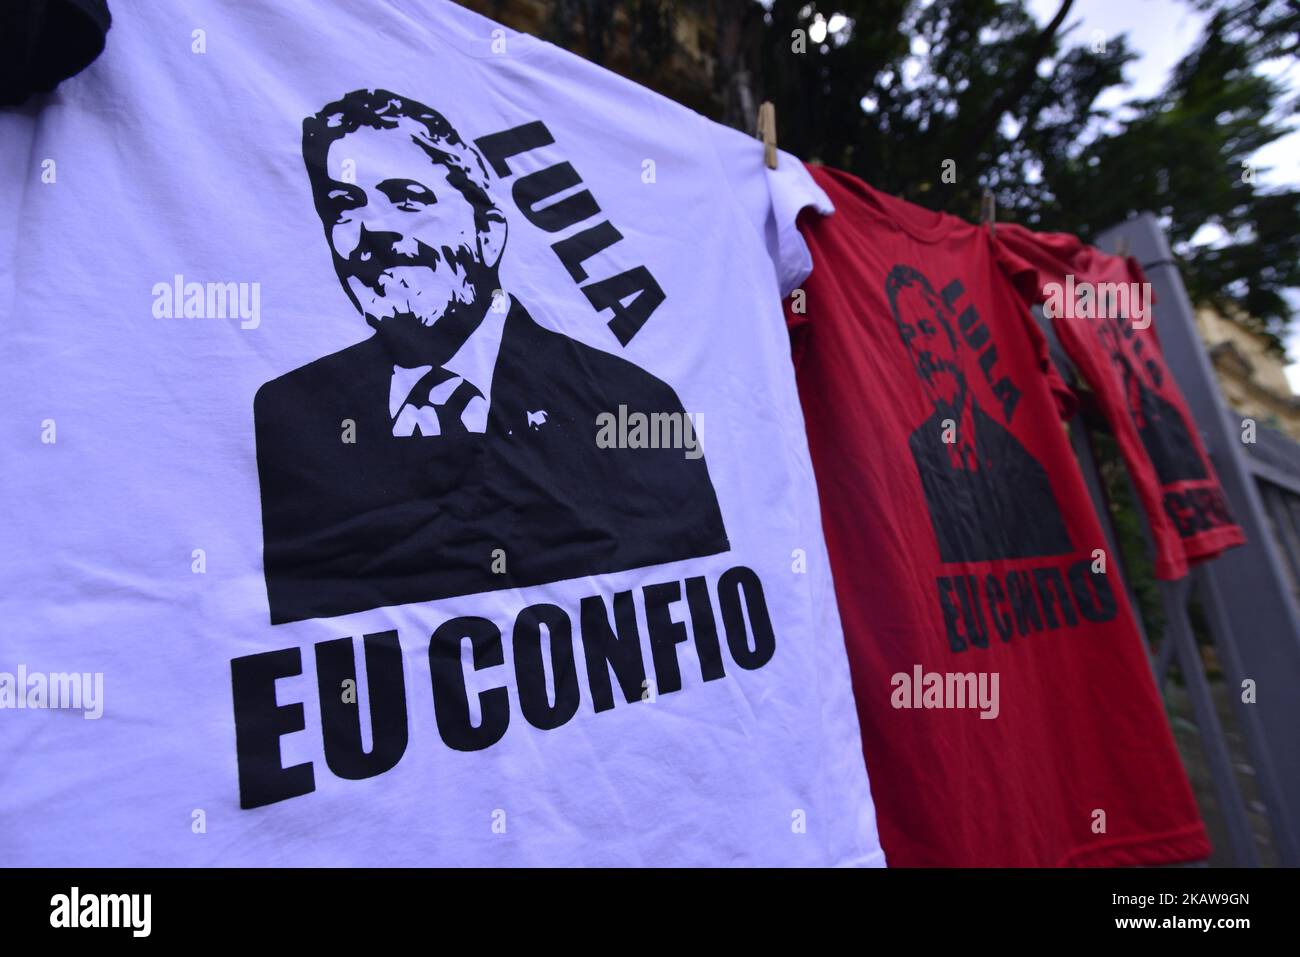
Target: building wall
1252,378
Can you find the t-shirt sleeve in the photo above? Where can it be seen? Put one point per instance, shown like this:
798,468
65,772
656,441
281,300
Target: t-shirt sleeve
1138,275
1067,403
771,199
1028,277
1031,261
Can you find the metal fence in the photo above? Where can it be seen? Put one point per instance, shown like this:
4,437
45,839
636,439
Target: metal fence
1246,601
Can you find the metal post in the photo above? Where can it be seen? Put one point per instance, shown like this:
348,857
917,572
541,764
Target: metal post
1275,502
1260,640
1179,633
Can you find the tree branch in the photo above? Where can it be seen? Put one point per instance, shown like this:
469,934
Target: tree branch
1021,83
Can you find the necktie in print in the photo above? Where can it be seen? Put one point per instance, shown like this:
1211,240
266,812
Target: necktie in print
442,392
450,411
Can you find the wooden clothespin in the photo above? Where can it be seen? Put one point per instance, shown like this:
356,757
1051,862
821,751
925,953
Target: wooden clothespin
767,132
989,210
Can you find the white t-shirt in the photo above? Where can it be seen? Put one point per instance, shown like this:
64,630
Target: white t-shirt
404,464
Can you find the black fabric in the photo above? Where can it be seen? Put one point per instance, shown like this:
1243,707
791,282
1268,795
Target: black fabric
1004,509
1164,435
43,42
387,520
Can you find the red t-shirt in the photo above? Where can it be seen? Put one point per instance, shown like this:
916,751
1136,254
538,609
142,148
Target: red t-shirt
1100,307
963,543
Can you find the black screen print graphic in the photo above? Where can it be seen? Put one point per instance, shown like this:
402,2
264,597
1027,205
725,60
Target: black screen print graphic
1160,425
454,450
988,497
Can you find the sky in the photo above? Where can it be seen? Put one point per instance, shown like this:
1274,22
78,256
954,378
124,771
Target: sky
1162,31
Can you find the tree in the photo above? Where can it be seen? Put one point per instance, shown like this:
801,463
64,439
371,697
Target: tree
971,85
1012,106
1185,155
900,91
